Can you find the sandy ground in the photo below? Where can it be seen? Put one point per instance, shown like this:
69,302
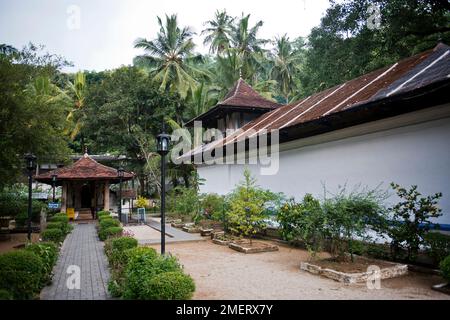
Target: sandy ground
222,273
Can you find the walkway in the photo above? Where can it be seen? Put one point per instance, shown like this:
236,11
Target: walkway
80,249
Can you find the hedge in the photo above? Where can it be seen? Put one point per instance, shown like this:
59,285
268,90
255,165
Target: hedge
168,286
116,250
439,244
108,223
143,266
59,218
104,234
445,268
5,295
21,273
103,218
54,235
103,213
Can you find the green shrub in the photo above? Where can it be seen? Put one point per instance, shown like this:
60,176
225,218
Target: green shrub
439,244
103,213
115,288
445,268
173,285
117,250
21,273
48,252
144,264
104,234
411,220
55,225
60,218
5,295
54,235
108,223
103,218
213,205
14,203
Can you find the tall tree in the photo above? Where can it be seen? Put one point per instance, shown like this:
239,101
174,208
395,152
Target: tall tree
218,32
171,57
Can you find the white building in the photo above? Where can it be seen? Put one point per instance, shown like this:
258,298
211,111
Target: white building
391,125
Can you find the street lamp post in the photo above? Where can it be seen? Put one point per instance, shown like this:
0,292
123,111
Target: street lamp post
30,162
163,141
54,176
120,174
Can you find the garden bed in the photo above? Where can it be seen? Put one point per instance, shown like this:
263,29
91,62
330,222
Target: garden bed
353,272
246,246
191,229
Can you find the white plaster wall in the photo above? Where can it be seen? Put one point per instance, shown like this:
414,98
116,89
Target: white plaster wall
413,154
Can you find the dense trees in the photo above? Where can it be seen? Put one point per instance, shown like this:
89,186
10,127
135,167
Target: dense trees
52,113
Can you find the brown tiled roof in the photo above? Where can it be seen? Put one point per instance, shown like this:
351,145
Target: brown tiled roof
242,96
416,72
84,169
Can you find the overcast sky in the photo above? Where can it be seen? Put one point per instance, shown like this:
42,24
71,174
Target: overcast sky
99,34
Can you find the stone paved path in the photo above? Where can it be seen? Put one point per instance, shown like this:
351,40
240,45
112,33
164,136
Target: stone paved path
83,249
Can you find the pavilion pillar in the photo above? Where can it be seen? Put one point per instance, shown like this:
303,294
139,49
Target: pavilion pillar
64,197
106,196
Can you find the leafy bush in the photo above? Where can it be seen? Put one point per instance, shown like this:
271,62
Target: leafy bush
60,218
247,207
145,264
5,295
21,273
141,202
54,235
350,215
63,226
108,223
14,203
104,217
305,221
445,268
117,250
48,252
187,201
103,213
439,244
213,205
410,220
104,234
173,285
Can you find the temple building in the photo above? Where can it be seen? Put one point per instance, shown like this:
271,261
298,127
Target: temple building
85,185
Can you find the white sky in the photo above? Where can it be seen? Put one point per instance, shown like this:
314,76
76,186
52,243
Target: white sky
107,29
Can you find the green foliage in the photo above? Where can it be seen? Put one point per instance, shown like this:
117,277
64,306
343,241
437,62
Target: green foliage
104,218
247,207
21,273
187,201
14,202
143,267
104,234
410,220
54,235
60,217
103,213
141,202
445,268
439,244
116,250
173,285
305,221
108,223
5,295
48,252
349,215
32,114
213,205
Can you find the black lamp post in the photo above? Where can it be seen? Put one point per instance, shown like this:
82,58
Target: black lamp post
120,175
54,176
30,162
163,141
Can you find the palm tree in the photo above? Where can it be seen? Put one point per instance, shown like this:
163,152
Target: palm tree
203,98
218,32
170,56
285,62
244,39
76,94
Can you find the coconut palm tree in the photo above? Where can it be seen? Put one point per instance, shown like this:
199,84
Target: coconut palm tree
170,57
249,47
76,93
285,62
218,32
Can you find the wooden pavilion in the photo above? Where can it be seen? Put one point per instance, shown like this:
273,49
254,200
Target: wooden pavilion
85,185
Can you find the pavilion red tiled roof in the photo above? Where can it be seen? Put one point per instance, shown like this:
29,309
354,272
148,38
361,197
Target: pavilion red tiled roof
85,168
241,96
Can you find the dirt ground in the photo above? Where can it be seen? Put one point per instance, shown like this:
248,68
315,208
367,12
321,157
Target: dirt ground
222,273
17,239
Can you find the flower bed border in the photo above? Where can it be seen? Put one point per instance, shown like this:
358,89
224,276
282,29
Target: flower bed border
394,271
235,245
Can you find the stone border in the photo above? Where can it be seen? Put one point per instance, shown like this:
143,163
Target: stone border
191,229
177,224
242,248
221,242
385,273
206,232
